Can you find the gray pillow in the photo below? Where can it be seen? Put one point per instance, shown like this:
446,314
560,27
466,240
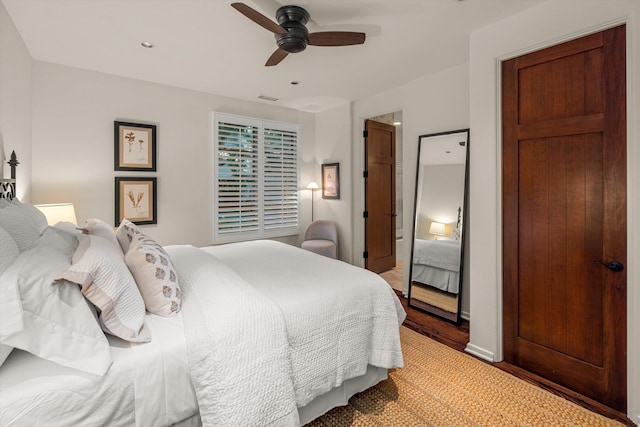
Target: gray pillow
19,225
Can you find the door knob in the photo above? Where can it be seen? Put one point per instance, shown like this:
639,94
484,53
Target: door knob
614,266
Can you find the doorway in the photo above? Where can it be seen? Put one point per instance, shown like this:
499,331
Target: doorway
564,214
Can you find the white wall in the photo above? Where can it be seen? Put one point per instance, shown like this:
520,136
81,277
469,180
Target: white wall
15,104
443,184
544,25
333,145
73,115
433,103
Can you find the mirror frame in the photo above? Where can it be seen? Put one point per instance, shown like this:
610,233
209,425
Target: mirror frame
455,318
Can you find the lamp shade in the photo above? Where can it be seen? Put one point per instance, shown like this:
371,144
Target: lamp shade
58,212
313,186
437,228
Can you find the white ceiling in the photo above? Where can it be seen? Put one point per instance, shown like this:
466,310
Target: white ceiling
208,46
449,149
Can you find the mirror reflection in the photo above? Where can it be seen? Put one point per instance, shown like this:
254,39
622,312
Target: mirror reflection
437,250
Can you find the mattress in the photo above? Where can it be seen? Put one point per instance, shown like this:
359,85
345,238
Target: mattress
34,389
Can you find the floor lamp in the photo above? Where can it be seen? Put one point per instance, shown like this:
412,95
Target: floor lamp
313,186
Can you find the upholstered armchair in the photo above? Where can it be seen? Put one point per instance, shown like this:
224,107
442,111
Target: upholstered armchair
322,238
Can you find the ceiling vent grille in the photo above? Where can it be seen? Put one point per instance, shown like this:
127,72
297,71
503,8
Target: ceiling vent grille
267,98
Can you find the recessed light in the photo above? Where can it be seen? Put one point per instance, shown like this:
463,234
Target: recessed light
148,45
397,123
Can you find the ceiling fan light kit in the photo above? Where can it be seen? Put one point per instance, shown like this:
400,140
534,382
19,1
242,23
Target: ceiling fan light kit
291,33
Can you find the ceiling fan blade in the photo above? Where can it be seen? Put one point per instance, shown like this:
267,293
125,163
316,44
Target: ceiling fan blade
258,18
276,57
336,38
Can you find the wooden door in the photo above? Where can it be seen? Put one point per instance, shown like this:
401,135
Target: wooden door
380,196
564,212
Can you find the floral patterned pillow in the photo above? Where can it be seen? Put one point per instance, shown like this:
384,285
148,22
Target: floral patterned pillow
125,233
155,275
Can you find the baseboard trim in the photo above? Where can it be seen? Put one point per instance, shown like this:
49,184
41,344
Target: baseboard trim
479,352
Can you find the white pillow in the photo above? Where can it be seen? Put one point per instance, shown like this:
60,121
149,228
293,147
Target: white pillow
35,215
8,250
69,227
10,305
19,225
98,266
5,350
100,228
59,325
155,276
4,203
125,232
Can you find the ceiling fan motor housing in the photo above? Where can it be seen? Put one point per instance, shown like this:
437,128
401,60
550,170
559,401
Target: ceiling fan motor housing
293,19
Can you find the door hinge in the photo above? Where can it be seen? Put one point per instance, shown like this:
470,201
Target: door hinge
365,134
365,254
365,174
365,214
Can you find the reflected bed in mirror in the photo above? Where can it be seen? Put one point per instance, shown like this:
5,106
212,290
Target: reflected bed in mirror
438,236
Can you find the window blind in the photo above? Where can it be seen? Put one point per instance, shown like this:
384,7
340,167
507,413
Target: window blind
255,178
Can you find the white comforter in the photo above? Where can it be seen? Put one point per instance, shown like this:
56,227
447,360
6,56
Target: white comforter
237,345
269,327
148,385
443,254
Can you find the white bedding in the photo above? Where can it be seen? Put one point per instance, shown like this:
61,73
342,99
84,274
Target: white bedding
237,345
331,338
265,328
437,263
444,254
38,392
286,313
445,280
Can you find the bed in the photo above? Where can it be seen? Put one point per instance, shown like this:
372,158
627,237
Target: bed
279,340
436,263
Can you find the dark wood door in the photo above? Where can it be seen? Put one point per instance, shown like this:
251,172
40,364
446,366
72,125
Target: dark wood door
564,212
380,196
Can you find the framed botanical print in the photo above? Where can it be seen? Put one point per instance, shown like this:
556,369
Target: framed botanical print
136,200
331,181
134,147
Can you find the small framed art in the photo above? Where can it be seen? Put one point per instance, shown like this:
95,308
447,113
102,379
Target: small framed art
331,181
135,147
136,200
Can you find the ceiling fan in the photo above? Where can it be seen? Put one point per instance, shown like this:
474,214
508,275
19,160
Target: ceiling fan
291,33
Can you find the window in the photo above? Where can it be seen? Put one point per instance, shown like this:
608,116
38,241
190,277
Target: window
255,170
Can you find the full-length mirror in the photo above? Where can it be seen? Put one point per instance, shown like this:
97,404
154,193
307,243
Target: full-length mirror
438,237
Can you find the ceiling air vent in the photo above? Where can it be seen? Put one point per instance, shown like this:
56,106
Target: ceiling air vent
267,98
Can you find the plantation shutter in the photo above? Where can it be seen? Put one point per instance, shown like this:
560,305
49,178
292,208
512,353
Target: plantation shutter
280,179
255,178
237,169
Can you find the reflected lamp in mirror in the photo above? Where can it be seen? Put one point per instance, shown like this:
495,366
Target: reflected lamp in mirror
58,212
437,229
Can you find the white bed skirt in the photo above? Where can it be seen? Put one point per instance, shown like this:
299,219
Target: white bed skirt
445,280
340,396
319,406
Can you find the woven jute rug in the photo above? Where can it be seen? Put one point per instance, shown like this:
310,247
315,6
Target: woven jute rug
440,386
